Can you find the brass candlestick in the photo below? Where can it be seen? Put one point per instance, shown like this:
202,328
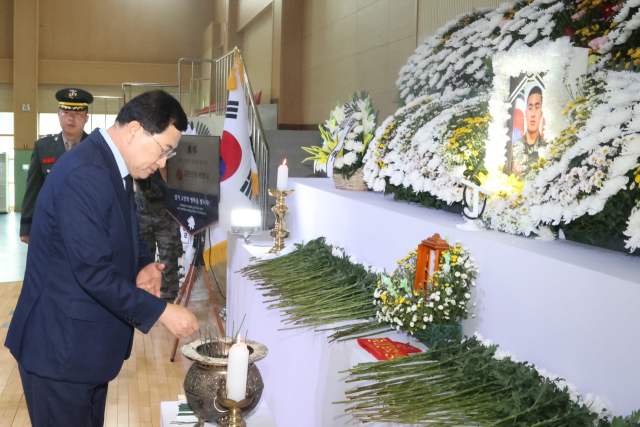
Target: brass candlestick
234,419
279,233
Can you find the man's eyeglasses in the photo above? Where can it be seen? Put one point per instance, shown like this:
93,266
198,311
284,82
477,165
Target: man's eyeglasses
165,153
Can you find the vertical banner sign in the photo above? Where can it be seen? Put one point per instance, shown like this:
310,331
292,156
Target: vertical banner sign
193,180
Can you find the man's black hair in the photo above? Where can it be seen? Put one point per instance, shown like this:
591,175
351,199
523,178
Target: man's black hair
155,111
533,91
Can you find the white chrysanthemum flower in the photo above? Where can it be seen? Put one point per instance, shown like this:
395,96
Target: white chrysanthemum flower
545,233
598,406
348,159
379,185
348,144
358,146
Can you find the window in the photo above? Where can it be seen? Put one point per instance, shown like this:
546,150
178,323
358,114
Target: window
6,146
48,123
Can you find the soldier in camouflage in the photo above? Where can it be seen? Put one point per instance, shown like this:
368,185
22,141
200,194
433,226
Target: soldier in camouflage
160,230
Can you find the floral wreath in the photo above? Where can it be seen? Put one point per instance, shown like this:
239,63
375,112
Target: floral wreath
585,178
349,159
445,302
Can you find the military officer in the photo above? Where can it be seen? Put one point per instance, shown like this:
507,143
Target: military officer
74,104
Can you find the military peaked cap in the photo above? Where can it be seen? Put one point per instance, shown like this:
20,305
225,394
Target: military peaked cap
74,99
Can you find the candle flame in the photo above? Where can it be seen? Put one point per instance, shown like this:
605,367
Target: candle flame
238,340
284,162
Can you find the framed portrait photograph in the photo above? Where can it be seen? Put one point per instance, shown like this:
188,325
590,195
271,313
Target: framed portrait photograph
526,125
532,85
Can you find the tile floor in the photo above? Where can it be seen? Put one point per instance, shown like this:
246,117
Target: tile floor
13,253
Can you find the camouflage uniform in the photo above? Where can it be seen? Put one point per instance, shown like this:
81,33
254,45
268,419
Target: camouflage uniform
525,154
159,229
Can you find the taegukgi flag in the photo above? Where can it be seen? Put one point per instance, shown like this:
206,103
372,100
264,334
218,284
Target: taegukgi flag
238,171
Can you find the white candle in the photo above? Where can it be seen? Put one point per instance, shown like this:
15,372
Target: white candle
283,176
237,371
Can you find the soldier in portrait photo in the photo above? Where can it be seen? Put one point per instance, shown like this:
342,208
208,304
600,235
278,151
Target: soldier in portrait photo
526,150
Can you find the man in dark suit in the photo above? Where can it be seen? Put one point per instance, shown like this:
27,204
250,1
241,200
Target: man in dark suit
72,113
90,279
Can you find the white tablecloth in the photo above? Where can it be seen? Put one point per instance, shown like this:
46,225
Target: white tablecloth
569,308
302,370
259,417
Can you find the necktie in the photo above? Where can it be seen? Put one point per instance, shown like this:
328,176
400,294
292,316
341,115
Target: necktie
129,188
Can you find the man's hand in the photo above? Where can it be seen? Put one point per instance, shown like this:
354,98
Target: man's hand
518,167
150,278
179,321
24,239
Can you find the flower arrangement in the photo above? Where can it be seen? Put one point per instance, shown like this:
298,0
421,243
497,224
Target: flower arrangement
633,229
589,165
583,181
466,148
445,302
472,382
463,381
421,150
459,54
317,285
349,159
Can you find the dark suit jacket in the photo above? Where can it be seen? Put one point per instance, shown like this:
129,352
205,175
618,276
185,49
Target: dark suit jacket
46,152
79,304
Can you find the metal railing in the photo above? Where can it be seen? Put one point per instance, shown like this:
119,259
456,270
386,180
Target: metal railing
224,64
195,81
146,87
259,145
260,149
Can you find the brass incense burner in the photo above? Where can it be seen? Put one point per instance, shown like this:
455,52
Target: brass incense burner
208,375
